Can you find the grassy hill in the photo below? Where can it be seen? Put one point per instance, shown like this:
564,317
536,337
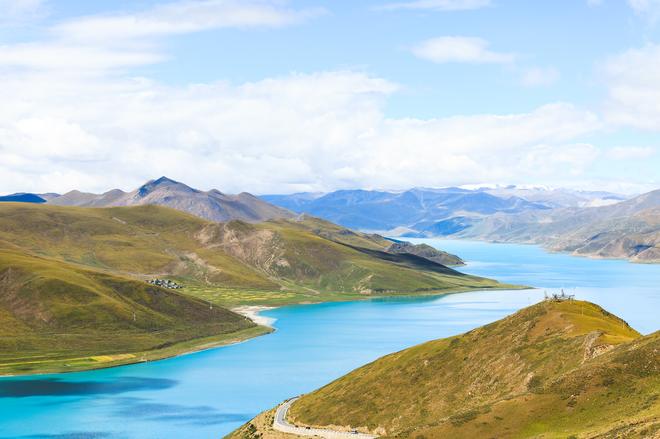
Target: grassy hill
280,261
57,316
70,276
342,235
553,370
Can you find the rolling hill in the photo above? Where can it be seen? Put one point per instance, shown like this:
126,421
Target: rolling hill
372,241
56,316
70,276
212,205
553,370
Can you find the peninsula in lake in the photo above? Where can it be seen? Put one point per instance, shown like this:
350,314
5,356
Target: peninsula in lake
560,368
87,287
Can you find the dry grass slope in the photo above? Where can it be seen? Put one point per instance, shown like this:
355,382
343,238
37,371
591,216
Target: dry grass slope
553,370
275,256
51,311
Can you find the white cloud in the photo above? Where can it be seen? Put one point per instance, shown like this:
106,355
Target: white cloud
573,158
98,43
648,9
184,17
437,5
630,152
48,56
299,132
72,117
17,12
539,76
633,82
459,50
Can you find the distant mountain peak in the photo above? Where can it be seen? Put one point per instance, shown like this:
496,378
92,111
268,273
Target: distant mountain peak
163,191
162,182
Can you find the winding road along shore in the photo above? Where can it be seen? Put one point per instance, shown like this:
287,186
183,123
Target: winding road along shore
280,424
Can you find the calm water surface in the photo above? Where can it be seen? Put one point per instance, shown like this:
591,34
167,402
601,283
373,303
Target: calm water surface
208,394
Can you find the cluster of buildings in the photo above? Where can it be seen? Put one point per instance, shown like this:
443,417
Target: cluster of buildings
165,283
559,297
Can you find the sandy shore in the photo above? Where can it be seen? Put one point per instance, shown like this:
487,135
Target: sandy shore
252,313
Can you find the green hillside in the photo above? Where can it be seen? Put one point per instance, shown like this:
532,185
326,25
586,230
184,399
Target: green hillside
70,277
226,263
553,370
57,316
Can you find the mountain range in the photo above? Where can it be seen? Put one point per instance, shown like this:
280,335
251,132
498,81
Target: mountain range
588,223
557,369
627,229
415,209
212,205
598,224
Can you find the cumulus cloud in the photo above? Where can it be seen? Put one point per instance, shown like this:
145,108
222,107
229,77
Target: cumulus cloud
633,82
437,5
298,132
456,49
73,116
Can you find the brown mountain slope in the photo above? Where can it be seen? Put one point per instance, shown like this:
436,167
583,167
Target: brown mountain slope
553,370
629,229
281,261
212,205
372,241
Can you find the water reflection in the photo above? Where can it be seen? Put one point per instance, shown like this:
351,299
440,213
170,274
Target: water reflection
57,387
182,414
73,435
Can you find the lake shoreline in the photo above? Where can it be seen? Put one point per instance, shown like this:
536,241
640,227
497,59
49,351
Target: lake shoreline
546,247
177,350
252,312
264,327
311,347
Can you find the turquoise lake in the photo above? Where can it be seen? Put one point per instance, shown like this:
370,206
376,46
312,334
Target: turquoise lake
208,394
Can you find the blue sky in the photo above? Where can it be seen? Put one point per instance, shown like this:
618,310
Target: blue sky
283,96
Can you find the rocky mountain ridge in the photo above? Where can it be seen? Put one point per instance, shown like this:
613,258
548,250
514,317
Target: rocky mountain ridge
212,205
